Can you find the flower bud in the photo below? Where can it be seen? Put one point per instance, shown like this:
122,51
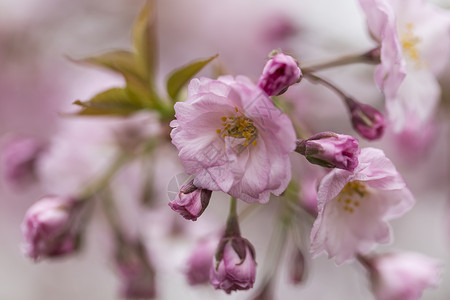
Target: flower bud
136,272
19,156
51,227
278,74
200,261
297,268
402,275
234,265
191,201
366,120
330,150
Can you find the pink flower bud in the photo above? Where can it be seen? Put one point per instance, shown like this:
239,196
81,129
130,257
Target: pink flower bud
200,261
278,74
136,272
403,275
191,201
366,120
330,150
234,265
18,158
50,227
297,268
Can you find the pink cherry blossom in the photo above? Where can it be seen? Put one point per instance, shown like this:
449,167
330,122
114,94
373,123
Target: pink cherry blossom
354,207
414,43
403,275
232,138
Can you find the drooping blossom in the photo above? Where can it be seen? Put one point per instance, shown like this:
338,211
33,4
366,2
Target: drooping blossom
51,227
331,150
135,270
18,160
200,260
403,275
414,43
354,207
234,266
366,120
280,72
232,138
190,202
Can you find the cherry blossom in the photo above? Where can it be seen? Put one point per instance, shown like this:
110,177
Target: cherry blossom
232,138
354,207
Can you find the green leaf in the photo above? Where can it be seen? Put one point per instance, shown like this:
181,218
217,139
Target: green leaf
178,78
124,62
114,101
144,40
120,61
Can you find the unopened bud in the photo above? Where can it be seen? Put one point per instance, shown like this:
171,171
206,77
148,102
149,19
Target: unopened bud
18,159
51,227
280,72
366,120
136,272
190,201
330,150
200,261
297,268
234,265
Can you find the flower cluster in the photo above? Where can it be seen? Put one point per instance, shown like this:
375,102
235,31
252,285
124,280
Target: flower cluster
278,160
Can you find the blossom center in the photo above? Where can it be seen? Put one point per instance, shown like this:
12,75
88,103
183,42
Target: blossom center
239,127
409,44
351,195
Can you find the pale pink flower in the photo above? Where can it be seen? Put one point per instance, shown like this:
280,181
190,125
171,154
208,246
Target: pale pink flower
234,266
50,227
331,150
415,40
232,138
280,72
354,207
403,275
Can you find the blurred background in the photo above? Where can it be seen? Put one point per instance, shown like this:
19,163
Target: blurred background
38,84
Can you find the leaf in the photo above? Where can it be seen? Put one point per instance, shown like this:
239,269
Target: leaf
124,62
144,40
114,101
120,61
179,77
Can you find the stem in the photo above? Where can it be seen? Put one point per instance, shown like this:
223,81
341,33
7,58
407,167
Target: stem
232,229
317,79
103,181
370,57
278,240
112,217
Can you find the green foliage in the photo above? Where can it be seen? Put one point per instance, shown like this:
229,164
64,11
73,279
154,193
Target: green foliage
115,101
144,40
137,67
178,78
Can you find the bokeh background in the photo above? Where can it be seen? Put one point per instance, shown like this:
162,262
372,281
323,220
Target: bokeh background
38,83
